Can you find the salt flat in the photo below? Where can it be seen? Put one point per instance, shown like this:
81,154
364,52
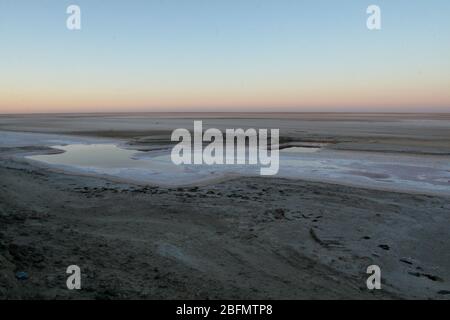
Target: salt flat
375,193
387,152
374,170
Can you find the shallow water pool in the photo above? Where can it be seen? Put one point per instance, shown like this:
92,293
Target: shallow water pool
393,172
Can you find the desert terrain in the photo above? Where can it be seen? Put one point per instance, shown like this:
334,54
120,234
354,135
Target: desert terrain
305,236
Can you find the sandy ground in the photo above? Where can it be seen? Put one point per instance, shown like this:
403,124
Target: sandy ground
251,238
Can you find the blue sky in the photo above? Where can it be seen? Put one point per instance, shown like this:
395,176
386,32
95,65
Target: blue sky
224,55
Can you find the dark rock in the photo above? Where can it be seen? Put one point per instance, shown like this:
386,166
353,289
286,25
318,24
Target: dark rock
429,276
22,275
279,214
406,261
444,292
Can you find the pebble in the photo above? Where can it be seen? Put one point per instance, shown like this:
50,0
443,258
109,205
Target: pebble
22,275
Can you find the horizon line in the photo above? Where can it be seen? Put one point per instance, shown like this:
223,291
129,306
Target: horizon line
221,112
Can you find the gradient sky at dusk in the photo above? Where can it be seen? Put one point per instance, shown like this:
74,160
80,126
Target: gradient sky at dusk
227,55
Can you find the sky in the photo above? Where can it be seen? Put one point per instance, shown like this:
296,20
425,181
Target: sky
224,55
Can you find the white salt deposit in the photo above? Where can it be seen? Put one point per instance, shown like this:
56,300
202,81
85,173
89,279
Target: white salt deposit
406,173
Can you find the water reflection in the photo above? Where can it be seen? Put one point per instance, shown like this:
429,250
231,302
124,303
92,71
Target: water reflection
300,150
108,156
391,171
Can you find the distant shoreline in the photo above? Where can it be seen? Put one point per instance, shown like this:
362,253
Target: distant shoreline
222,113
